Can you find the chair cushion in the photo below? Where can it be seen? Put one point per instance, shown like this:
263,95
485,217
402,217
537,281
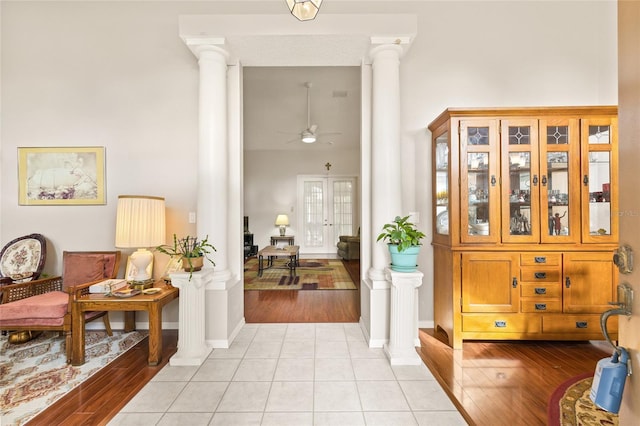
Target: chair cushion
80,269
43,309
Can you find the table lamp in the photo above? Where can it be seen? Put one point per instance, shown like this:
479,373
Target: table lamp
282,220
140,223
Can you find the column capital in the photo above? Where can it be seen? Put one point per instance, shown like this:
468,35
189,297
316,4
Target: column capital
399,45
413,279
201,46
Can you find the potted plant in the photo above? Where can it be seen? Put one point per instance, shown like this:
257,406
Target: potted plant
190,251
403,240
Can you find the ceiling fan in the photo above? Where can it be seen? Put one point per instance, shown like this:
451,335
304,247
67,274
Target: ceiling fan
310,134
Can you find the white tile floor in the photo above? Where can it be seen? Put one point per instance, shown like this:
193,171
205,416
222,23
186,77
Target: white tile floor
293,374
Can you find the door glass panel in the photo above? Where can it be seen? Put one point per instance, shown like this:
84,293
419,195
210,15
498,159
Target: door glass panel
313,214
478,135
557,135
442,185
599,135
558,193
342,208
599,198
519,135
519,192
478,189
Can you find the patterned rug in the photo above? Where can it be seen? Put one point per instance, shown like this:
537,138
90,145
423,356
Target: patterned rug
35,374
570,405
311,274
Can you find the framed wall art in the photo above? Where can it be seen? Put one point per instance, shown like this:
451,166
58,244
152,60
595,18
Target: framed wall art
61,176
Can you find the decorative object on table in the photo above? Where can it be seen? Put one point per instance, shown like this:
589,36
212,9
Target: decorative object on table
190,251
311,274
304,10
403,240
22,259
61,175
39,374
140,223
282,220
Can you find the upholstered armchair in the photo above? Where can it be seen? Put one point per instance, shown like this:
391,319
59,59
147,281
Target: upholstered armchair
22,259
349,246
45,304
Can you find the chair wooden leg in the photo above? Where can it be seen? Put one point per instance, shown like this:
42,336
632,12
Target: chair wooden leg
68,343
107,324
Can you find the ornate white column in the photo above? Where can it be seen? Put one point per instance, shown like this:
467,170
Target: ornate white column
213,150
192,347
386,185
403,321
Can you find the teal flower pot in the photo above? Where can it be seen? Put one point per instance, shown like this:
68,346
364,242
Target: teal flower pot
404,261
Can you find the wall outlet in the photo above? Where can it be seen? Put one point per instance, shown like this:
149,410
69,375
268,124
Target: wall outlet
192,217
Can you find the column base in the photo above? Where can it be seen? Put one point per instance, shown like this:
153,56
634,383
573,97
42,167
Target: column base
402,357
184,359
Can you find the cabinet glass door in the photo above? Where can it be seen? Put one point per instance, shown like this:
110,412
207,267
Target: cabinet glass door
599,179
520,180
559,181
442,173
479,185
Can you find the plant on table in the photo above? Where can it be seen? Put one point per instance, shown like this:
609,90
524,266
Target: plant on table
188,249
402,233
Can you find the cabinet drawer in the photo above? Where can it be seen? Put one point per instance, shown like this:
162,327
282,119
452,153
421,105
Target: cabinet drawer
540,274
496,323
541,306
576,324
542,290
550,259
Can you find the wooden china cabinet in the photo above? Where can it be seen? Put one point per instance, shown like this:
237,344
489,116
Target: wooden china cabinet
525,204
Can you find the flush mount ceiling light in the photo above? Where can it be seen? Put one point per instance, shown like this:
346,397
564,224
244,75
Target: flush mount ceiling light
304,10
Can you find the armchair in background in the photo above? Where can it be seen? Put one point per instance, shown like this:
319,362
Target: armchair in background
46,304
349,246
22,259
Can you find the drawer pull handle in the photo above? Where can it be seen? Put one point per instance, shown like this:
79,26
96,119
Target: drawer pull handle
581,324
567,282
500,324
541,306
540,275
541,290
540,259
514,282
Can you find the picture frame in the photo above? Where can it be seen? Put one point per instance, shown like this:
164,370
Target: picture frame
61,176
131,270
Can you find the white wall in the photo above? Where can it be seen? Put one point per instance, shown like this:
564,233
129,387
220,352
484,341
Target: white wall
116,75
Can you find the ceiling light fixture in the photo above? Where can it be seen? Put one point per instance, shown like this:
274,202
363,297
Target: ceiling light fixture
304,10
308,137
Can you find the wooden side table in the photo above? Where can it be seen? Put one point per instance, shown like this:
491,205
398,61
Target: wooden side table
152,303
272,252
289,239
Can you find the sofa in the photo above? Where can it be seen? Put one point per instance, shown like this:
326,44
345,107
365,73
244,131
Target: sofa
349,247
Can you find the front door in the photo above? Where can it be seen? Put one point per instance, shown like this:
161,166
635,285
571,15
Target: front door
326,210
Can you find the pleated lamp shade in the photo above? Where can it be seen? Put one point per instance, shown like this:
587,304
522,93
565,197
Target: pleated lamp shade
140,221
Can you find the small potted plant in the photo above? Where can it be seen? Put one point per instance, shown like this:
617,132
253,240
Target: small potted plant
190,251
404,241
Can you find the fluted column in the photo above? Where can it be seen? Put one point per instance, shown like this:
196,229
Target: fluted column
403,323
386,197
213,152
192,347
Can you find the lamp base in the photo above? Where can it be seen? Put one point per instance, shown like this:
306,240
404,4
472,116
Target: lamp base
282,231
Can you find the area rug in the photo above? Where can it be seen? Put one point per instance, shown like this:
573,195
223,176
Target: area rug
570,405
35,374
311,274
